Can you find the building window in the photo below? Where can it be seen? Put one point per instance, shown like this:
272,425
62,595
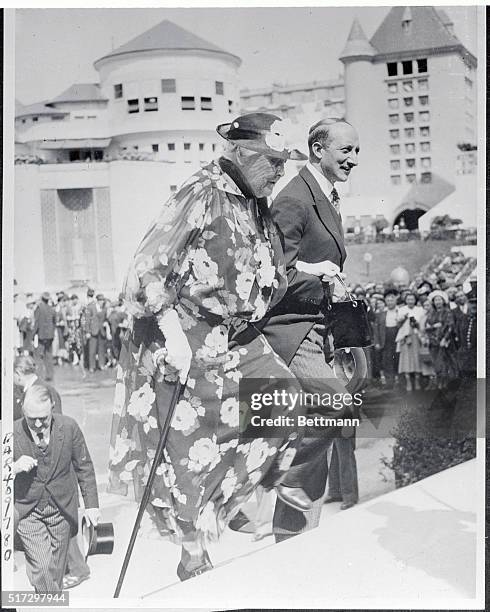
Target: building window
393,103
410,163
425,147
173,188
426,177
411,178
118,91
394,134
35,119
393,88
423,84
154,148
187,146
230,106
407,67
395,179
426,163
424,116
171,146
409,132
188,103
151,104
206,104
133,106
425,132
219,88
410,147
213,147
395,164
168,86
407,85
423,100
395,149
408,101
23,120
201,146
135,147
392,68
394,119
409,117
422,65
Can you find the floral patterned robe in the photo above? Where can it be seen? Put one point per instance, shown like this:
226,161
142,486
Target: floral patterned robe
207,258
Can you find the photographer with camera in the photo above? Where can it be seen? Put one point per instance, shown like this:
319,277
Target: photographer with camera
408,341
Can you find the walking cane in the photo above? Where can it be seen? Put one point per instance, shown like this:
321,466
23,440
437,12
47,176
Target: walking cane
179,388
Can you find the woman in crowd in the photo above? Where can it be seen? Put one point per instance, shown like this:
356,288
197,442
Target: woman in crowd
59,343
426,362
439,328
74,340
208,268
408,340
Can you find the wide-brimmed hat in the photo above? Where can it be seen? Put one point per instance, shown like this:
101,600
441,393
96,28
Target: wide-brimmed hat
438,293
261,132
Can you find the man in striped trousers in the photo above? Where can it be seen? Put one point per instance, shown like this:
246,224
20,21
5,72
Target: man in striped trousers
50,457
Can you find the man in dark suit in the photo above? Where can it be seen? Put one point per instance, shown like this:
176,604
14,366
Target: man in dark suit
44,328
50,456
25,376
96,333
307,213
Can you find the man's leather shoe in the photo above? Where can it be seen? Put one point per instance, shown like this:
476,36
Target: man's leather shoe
294,497
347,505
330,499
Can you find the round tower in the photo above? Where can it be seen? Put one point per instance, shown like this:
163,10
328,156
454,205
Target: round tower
362,102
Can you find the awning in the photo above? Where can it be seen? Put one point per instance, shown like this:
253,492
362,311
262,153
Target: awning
427,195
79,143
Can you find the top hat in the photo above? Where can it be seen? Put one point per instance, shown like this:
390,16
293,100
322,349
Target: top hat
261,132
97,540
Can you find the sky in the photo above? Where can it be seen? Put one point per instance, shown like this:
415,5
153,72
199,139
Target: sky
55,48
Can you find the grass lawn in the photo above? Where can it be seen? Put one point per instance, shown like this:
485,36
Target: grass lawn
411,255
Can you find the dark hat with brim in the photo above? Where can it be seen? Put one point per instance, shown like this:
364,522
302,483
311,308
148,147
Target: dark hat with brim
97,540
261,132
46,296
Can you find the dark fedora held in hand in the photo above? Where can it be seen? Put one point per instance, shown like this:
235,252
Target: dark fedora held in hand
97,540
262,132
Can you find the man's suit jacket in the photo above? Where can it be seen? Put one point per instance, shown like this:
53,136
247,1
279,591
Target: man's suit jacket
94,320
311,231
44,321
70,463
19,395
379,329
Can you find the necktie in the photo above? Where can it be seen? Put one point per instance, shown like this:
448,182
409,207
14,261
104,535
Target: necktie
335,199
41,441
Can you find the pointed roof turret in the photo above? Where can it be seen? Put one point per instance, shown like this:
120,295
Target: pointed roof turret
166,36
357,46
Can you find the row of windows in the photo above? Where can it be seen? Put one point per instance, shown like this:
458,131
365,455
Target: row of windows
424,117
425,177
186,103
410,148
421,84
171,147
424,132
406,67
395,102
425,162
169,86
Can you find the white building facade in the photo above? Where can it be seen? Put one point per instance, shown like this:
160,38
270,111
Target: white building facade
95,164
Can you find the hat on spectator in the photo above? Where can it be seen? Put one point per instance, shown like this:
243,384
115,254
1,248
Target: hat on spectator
378,296
45,295
438,293
424,287
73,296
100,296
261,132
90,293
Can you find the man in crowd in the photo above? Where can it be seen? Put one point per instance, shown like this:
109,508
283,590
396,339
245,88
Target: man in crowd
44,328
307,212
96,332
25,376
384,337
50,457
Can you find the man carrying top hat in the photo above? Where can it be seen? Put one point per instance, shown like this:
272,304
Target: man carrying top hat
50,458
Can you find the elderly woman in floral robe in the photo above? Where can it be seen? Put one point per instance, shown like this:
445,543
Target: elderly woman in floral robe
208,268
